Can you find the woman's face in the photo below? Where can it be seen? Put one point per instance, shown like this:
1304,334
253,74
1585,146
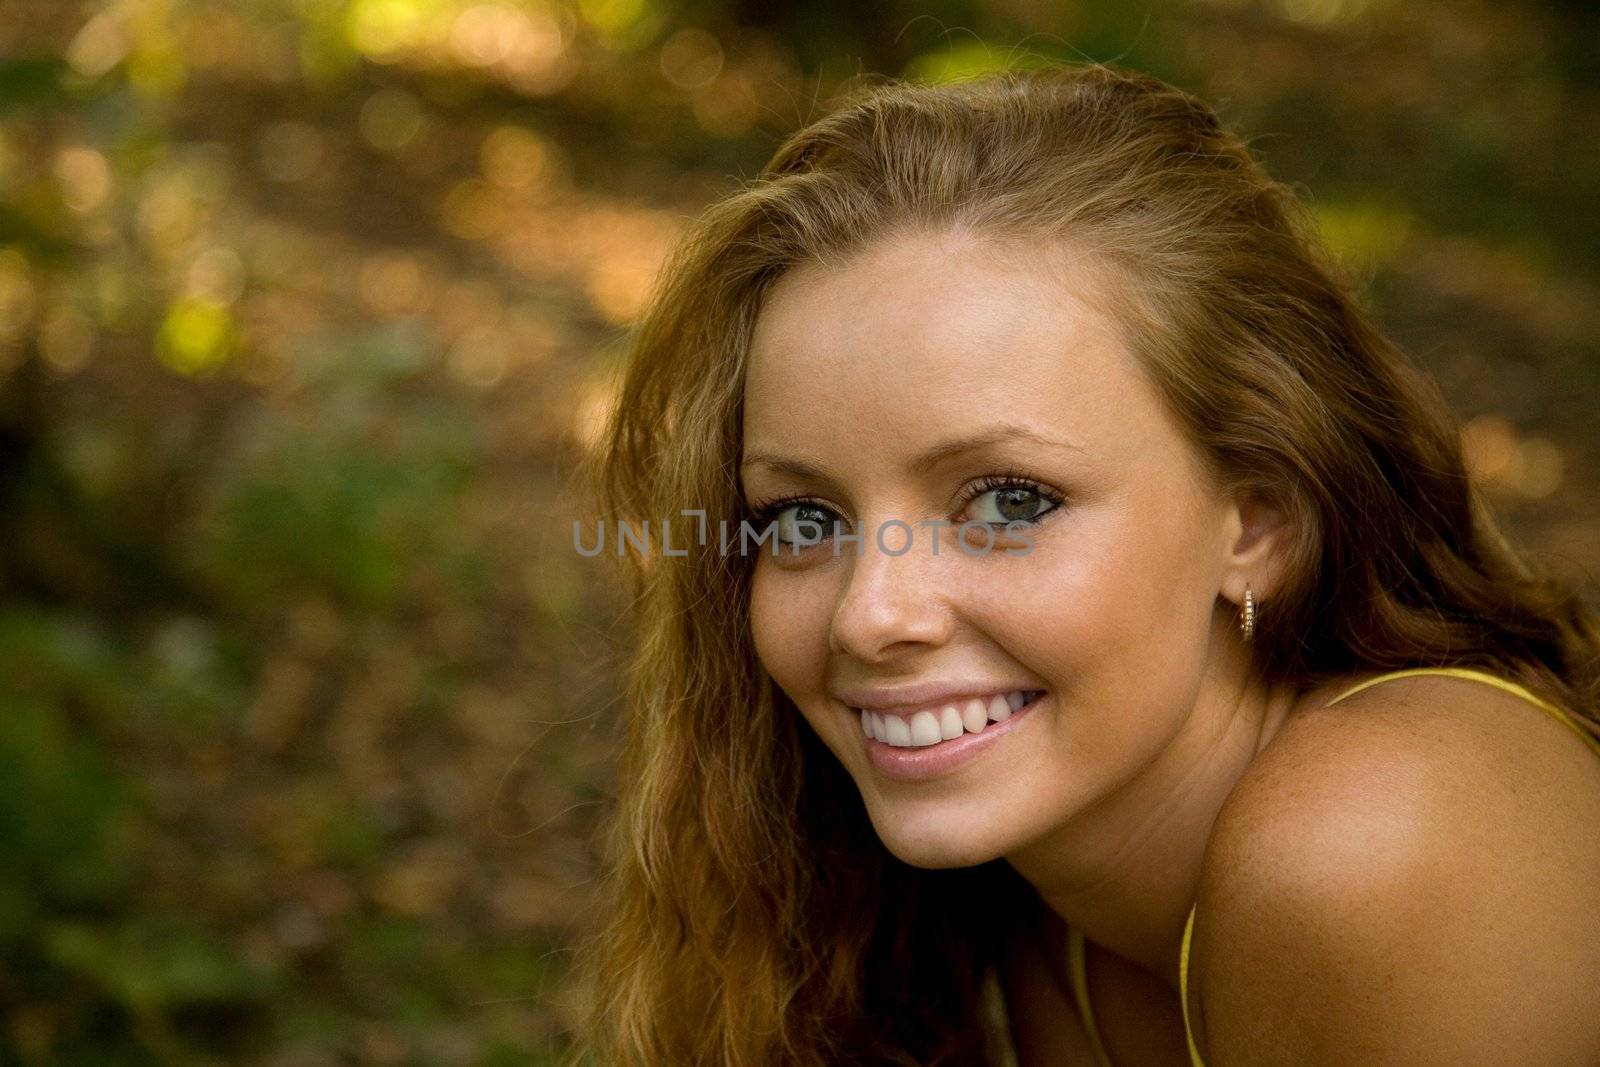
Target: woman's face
861,377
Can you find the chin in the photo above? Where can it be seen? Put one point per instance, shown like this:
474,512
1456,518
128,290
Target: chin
932,845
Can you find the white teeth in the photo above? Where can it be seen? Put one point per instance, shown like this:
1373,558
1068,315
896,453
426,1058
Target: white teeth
931,726
896,731
950,724
974,716
925,729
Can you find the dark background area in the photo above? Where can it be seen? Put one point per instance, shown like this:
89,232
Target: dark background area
307,309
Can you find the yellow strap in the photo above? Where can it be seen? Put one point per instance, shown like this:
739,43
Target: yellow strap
1481,676
1183,988
1078,972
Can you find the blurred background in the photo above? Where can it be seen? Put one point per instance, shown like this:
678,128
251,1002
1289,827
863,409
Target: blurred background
307,307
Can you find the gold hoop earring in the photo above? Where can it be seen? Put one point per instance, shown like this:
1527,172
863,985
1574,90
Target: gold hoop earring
1247,615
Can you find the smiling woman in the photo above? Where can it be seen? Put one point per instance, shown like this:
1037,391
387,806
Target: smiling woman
1092,491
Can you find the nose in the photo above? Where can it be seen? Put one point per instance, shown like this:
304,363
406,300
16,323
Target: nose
891,604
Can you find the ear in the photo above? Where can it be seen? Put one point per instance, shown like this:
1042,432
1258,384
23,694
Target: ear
1257,534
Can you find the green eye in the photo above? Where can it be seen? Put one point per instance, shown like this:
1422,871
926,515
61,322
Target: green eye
798,521
1002,500
803,524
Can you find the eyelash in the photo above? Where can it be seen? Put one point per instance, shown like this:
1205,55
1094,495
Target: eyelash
766,513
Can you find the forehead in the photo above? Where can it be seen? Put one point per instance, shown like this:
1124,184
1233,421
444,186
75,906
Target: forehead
922,333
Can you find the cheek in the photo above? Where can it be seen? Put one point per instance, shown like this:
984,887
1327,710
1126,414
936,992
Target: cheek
1054,610
1106,613
788,625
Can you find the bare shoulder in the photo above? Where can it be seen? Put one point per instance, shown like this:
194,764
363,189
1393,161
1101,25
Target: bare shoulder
1409,876
1474,751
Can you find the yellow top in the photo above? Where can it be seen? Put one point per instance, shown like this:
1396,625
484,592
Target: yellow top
1075,950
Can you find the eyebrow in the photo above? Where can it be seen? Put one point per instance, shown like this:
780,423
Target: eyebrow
923,463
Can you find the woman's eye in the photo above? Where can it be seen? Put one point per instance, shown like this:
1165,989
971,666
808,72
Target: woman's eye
1010,503
802,524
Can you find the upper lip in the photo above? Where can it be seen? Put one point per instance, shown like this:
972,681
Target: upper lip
924,694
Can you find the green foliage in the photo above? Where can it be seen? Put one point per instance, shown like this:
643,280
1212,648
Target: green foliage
347,498
63,805
74,933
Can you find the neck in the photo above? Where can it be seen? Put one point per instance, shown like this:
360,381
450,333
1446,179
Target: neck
1125,870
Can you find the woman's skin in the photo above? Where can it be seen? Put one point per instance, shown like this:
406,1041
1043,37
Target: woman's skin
1144,777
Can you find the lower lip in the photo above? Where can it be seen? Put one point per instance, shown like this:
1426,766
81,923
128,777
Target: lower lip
935,761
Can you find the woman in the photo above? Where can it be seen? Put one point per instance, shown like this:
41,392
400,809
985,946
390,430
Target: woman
1137,678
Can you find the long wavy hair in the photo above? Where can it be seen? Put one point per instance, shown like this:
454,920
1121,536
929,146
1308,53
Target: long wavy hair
748,915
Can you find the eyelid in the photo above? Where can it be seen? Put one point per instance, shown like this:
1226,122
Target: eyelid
986,483
1014,480
777,505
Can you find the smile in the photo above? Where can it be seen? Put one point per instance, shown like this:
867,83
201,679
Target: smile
923,727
